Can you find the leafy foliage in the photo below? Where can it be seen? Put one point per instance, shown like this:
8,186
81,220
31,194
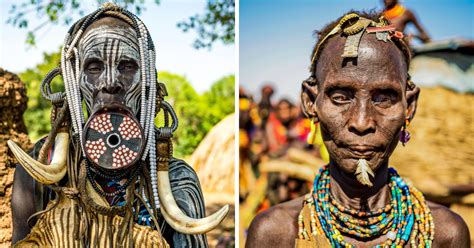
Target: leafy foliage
217,23
197,113
57,12
37,114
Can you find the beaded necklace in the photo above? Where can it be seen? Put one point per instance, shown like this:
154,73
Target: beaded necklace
406,218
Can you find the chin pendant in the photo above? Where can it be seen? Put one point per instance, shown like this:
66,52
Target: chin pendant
363,171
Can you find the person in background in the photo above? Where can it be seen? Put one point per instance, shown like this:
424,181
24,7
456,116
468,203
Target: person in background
265,105
400,17
277,127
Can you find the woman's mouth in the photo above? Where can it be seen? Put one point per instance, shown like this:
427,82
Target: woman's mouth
361,151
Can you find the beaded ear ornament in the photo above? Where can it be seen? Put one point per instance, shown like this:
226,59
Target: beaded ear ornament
404,134
311,139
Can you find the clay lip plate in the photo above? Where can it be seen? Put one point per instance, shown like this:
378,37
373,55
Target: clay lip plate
114,139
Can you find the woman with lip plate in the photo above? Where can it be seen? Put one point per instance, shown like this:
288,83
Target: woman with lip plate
361,94
105,176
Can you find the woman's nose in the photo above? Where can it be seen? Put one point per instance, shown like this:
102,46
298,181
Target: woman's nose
111,84
361,121
112,88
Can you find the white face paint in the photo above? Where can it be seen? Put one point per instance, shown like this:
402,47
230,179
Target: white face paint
110,62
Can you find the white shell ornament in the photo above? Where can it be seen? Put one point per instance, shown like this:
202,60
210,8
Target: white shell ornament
363,171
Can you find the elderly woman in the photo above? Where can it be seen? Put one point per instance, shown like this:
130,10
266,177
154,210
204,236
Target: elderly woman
361,94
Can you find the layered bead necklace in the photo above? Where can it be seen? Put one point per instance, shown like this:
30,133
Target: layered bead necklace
405,219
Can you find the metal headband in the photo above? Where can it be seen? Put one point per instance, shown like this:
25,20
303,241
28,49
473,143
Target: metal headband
353,26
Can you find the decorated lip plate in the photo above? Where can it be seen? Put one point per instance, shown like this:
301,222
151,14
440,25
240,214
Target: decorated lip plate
113,140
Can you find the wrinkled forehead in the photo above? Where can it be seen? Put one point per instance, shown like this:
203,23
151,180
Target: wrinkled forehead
109,42
378,61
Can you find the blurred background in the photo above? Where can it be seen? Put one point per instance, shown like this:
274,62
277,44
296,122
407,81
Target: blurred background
276,41
195,59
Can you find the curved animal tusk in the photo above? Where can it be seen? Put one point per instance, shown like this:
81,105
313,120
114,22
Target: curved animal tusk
45,174
177,219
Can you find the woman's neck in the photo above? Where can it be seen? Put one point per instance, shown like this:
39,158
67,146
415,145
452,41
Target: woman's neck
346,190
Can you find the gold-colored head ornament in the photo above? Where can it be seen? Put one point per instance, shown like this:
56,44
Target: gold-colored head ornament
353,26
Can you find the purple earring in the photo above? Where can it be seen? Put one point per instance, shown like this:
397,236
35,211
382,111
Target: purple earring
404,134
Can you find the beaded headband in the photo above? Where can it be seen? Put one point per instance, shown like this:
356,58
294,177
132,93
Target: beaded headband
353,27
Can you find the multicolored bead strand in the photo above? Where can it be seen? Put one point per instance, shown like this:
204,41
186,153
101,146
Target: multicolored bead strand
406,219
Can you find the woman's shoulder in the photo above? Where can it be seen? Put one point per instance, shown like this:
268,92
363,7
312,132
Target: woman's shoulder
277,226
450,228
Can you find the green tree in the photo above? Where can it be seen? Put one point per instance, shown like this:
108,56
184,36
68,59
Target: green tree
37,114
197,113
216,23
57,12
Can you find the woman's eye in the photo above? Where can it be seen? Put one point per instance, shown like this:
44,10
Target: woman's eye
94,68
128,67
383,100
340,98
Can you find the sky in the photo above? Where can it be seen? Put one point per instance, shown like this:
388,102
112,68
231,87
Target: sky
276,37
174,47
